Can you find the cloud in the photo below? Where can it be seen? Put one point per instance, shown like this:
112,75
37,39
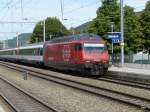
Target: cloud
137,4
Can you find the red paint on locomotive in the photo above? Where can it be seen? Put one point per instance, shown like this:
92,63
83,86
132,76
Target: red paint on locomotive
77,54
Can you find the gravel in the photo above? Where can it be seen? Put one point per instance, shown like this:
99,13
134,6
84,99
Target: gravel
4,106
22,102
108,85
64,98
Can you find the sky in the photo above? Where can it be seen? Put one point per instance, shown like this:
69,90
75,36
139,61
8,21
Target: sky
76,12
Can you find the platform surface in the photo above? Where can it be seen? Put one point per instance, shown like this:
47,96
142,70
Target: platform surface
130,70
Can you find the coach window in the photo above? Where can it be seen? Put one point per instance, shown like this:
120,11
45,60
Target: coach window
14,52
78,47
41,52
36,51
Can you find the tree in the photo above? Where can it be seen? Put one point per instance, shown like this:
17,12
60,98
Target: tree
106,14
109,13
132,31
53,28
145,22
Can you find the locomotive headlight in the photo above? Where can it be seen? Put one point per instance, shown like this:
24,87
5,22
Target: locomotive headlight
87,61
104,61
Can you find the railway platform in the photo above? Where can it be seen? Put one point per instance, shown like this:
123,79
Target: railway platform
130,73
130,70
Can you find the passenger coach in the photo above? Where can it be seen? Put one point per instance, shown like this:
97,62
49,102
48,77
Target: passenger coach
28,54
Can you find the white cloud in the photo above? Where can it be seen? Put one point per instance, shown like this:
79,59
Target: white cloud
137,4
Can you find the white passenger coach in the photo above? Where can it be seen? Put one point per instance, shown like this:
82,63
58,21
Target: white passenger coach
32,53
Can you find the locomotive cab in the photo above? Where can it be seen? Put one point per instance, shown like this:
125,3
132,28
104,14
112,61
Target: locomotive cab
93,56
94,51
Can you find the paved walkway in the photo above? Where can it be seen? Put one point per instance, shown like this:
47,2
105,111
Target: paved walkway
130,70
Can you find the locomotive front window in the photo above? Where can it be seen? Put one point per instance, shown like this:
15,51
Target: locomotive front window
94,48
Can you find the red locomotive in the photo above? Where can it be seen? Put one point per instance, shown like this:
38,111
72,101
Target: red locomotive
86,53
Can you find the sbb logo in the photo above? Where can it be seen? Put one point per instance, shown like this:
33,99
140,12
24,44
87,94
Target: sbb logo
66,53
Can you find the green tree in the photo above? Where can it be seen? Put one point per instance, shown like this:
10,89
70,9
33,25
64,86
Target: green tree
106,14
145,22
109,13
132,31
53,28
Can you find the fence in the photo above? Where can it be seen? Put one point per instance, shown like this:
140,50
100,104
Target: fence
139,60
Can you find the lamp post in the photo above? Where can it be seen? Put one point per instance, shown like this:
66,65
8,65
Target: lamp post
122,31
112,48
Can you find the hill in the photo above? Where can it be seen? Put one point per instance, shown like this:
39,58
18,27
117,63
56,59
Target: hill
84,26
23,39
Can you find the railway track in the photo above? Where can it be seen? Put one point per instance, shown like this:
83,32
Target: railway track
139,102
10,106
125,82
20,100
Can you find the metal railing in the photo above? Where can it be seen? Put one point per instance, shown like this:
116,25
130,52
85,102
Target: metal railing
139,60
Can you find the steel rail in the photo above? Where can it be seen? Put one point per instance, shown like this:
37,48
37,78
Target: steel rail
27,94
125,82
9,103
129,99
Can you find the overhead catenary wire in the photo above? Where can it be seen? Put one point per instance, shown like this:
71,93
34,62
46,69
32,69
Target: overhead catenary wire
16,3
9,6
71,11
81,7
